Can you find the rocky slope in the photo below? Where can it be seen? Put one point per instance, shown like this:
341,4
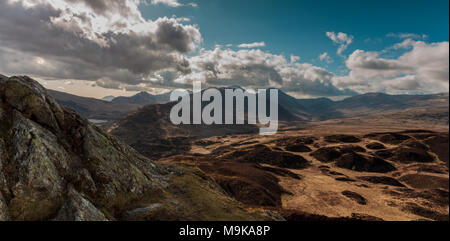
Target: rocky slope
55,165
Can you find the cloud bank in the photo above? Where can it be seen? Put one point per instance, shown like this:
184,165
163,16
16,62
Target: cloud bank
252,45
424,68
110,44
91,40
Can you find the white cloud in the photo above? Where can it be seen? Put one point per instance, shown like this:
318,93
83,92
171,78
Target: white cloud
325,57
252,45
424,68
405,44
181,19
342,39
170,3
192,4
173,3
294,59
407,35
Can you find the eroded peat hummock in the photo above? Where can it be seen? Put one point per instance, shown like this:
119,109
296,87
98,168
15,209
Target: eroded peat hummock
324,177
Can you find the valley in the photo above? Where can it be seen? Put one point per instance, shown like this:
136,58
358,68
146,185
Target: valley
332,171
356,159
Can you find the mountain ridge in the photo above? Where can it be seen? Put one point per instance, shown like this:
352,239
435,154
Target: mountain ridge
291,108
142,98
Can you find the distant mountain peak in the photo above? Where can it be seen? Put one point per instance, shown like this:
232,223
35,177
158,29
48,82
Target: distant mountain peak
143,93
108,98
234,87
375,94
142,98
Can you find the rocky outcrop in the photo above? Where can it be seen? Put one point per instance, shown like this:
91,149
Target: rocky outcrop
55,165
78,208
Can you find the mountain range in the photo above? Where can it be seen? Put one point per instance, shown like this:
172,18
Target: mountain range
290,108
115,109
142,98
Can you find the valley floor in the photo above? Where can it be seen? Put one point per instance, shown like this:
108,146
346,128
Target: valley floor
335,169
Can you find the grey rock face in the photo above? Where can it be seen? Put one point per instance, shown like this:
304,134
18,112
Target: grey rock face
78,208
4,215
51,147
139,213
3,209
38,186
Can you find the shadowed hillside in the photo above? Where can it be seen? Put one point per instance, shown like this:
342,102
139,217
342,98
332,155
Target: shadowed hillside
115,109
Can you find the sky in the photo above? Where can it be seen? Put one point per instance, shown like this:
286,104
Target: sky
306,48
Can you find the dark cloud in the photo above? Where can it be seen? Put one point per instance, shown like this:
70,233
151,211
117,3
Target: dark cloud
175,35
34,32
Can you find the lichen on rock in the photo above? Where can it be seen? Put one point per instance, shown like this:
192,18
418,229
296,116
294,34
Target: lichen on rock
78,208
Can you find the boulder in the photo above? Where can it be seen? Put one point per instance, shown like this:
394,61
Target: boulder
78,208
36,166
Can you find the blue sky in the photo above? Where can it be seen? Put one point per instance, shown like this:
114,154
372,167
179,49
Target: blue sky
298,27
306,48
